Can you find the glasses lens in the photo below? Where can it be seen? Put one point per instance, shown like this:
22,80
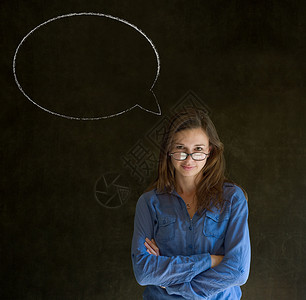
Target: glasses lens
179,155
198,156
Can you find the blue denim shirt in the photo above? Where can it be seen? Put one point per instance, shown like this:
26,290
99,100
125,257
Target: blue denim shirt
184,264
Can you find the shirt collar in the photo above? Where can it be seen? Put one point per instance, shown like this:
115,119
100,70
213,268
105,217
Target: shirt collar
173,192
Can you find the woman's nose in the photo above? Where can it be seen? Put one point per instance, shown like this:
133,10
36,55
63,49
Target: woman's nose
189,158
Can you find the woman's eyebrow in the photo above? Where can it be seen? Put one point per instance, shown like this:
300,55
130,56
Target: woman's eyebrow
177,143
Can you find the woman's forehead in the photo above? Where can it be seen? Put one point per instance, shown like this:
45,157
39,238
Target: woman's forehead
195,136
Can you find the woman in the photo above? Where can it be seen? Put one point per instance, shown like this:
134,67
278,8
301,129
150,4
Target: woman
191,237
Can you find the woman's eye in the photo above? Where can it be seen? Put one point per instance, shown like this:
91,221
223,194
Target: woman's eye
179,147
199,149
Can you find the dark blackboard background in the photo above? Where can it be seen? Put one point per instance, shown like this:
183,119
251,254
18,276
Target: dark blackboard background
245,61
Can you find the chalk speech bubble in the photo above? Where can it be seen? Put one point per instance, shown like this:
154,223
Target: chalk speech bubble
112,68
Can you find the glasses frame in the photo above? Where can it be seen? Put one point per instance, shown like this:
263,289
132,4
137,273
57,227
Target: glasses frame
187,154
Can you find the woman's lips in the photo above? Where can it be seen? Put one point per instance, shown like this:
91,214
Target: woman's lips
187,167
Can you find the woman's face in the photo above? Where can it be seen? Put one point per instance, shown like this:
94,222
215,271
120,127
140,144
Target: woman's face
189,141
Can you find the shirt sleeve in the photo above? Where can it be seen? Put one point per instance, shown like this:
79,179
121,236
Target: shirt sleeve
160,270
235,266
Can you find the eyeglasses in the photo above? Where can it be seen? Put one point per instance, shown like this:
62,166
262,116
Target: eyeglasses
184,155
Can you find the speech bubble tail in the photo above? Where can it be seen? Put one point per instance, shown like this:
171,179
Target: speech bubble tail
151,107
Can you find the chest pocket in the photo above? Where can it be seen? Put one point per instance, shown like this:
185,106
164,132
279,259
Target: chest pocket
166,228
215,225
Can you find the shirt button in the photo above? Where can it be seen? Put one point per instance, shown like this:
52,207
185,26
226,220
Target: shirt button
190,246
190,228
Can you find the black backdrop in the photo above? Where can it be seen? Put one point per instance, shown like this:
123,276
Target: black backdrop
69,187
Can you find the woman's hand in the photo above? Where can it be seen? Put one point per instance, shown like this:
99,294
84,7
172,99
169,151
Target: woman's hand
152,247
215,260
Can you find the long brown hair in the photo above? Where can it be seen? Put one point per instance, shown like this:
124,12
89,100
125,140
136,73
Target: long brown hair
209,189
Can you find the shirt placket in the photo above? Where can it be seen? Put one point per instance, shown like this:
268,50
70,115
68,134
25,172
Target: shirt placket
189,229
190,238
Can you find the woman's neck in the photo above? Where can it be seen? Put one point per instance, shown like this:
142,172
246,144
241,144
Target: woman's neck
185,185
